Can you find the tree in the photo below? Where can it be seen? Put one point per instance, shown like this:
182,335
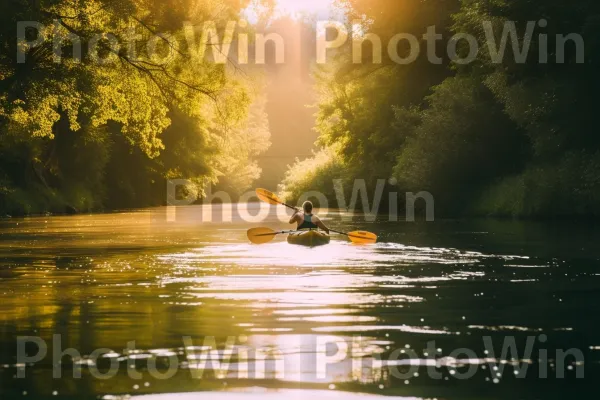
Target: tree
111,100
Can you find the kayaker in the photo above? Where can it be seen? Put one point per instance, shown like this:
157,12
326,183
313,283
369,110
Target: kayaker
306,219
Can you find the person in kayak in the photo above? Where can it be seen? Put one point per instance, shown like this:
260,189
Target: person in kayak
306,219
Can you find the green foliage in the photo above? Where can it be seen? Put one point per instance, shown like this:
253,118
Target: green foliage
552,104
237,167
570,188
509,138
463,140
318,171
78,135
357,101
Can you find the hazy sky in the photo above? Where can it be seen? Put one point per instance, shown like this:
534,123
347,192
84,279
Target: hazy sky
290,89
322,9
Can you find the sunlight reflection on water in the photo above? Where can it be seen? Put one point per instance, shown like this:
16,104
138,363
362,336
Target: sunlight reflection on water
106,280
261,393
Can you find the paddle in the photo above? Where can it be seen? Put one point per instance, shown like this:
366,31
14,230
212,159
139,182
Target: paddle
263,235
361,237
272,198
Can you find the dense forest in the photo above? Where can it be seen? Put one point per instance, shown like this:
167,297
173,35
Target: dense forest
485,138
105,129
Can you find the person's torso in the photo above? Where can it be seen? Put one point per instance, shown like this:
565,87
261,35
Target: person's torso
307,222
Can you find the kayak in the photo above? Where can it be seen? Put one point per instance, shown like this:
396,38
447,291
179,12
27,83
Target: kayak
308,238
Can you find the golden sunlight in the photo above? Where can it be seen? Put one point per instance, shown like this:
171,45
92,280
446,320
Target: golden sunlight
322,9
296,8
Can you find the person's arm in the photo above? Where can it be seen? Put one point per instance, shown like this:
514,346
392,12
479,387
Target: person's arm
295,217
321,225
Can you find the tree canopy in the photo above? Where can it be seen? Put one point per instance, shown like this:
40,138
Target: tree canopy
509,138
102,100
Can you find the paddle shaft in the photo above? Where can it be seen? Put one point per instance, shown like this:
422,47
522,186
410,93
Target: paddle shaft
275,233
288,206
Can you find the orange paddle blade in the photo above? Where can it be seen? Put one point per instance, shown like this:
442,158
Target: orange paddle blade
362,237
268,196
261,235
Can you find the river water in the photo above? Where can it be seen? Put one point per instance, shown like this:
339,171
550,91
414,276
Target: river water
162,304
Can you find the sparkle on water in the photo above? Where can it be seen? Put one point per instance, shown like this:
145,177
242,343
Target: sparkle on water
103,281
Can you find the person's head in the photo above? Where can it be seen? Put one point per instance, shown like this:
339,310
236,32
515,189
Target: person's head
307,207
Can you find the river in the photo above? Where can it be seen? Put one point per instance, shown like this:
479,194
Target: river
161,304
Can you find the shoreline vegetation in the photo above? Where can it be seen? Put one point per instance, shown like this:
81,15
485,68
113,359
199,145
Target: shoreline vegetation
513,140
81,135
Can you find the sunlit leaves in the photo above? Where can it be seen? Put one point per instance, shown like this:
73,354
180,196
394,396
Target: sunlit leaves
40,109
158,117
240,144
318,171
135,103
